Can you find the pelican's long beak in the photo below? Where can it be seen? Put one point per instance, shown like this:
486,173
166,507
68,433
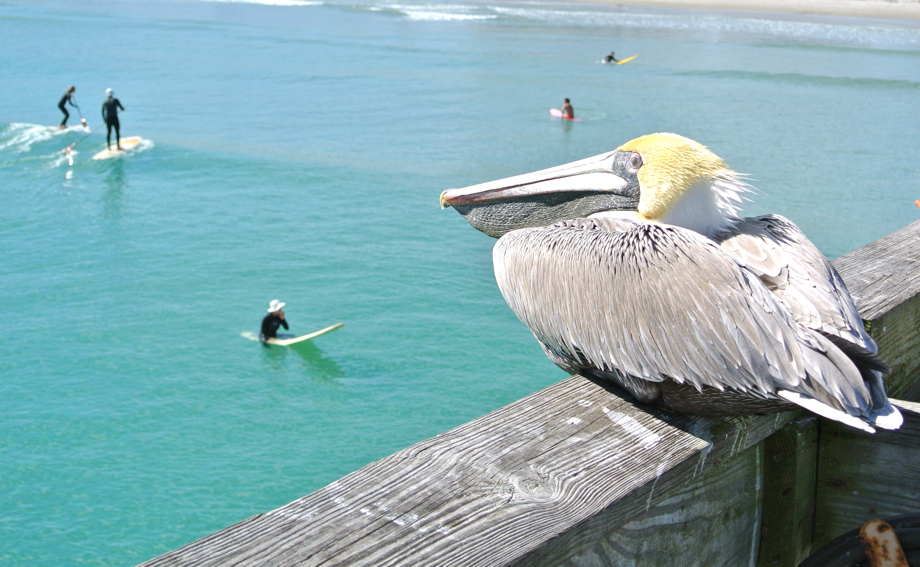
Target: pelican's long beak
592,175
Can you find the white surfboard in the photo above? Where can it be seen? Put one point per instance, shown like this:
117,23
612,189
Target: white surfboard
292,341
71,128
127,144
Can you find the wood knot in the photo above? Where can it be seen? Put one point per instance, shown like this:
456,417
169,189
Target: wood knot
529,485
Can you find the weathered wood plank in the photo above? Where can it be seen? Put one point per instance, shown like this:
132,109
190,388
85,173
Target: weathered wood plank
884,279
582,537
883,275
863,477
713,521
790,464
524,474
897,333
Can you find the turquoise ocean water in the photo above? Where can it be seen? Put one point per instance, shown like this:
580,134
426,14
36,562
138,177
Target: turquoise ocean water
296,150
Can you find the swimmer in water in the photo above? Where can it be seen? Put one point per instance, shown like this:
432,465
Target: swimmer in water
567,110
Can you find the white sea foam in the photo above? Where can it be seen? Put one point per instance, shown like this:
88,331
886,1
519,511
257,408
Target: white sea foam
268,2
806,29
790,28
143,146
20,136
441,12
58,159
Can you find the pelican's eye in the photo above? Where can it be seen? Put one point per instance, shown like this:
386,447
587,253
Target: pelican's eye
634,163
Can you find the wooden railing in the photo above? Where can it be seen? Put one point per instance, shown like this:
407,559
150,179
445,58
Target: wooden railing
576,475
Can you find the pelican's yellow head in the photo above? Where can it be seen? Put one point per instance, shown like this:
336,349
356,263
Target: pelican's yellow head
681,182
671,166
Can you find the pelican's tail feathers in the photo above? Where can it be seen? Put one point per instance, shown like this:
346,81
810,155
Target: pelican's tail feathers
825,410
861,357
882,413
887,418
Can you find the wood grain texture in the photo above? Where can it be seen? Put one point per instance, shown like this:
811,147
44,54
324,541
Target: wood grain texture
897,333
864,477
585,535
714,520
884,274
557,466
790,464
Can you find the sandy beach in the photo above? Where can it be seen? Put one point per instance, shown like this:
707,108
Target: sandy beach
896,10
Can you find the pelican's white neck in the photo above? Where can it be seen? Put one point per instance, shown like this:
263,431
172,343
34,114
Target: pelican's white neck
710,206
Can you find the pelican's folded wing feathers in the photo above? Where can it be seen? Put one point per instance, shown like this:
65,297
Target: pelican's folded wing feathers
656,302
792,267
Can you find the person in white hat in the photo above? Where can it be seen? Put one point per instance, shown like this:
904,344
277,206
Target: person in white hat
273,320
110,114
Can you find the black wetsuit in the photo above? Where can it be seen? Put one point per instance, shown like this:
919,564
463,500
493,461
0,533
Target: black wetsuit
110,115
270,325
68,97
610,59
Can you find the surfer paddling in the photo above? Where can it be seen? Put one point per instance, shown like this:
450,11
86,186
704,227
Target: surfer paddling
567,110
110,115
67,98
610,58
273,320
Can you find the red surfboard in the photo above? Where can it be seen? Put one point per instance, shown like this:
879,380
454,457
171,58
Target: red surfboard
556,113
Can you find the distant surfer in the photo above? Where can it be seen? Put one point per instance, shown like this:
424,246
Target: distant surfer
273,320
110,115
567,110
67,98
610,58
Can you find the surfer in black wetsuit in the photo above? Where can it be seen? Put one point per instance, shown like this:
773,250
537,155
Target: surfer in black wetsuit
610,58
110,115
273,320
68,97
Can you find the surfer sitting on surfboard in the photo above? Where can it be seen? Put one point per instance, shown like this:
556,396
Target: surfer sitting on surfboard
273,320
610,58
110,115
567,110
68,97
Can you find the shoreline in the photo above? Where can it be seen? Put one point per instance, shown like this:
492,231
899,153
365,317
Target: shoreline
880,9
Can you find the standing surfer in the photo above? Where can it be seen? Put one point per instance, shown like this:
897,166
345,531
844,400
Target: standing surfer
610,58
110,115
68,97
273,320
567,110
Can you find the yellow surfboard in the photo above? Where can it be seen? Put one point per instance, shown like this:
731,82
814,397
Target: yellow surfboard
293,340
627,60
127,144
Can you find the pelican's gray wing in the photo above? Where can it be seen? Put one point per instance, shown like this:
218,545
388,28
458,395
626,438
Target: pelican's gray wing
792,267
798,274
656,302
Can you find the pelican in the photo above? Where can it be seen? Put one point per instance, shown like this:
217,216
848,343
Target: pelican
635,266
